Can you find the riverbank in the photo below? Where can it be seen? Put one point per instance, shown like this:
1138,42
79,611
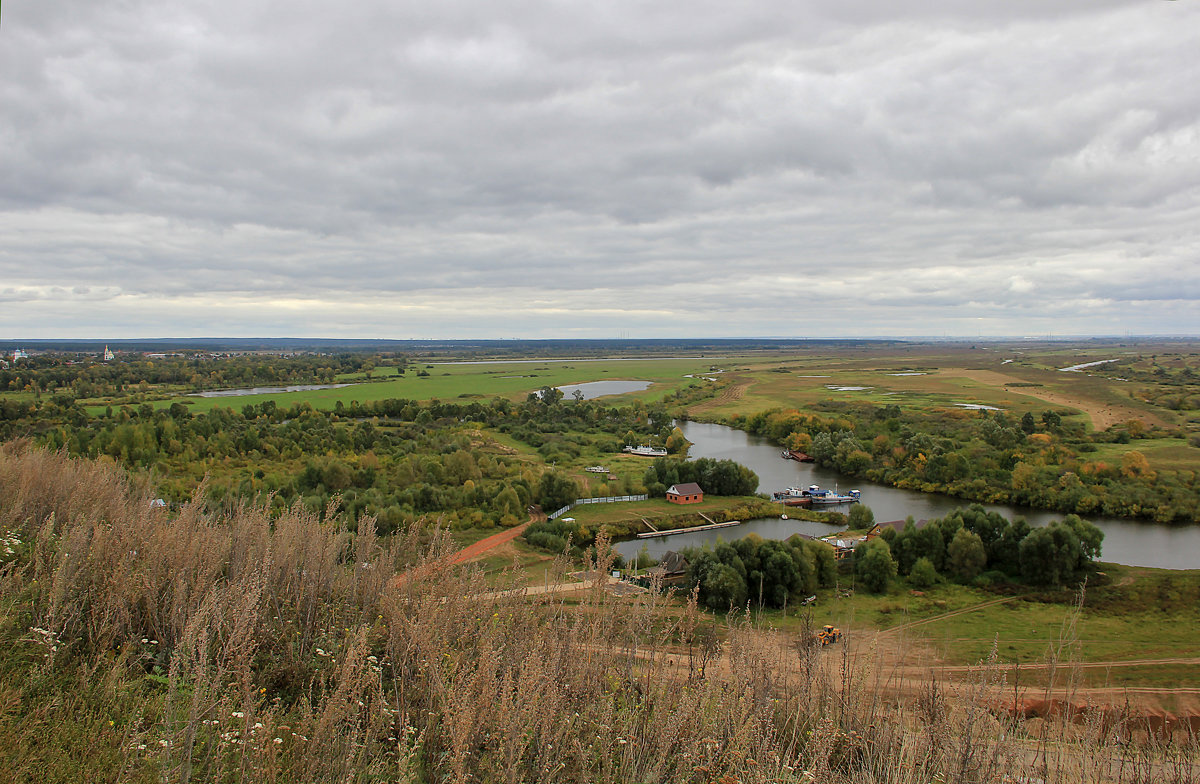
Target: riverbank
1129,542
624,521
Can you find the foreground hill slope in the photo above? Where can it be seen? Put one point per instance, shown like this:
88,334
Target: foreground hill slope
139,645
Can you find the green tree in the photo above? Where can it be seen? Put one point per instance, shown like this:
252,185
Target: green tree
554,491
508,503
966,556
928,542
873,565
1004,554
860,518
1050,555
336,476
1090,537
724,589
824,562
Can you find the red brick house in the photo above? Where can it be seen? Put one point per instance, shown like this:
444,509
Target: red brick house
687,493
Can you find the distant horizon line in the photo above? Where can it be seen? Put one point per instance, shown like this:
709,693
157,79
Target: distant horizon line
293,340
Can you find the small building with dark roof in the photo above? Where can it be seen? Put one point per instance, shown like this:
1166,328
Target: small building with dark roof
672,565
686,493
671,571
895,525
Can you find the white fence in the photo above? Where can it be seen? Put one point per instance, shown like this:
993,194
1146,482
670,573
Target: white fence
609,500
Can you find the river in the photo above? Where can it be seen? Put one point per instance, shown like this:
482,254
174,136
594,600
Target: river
1125,541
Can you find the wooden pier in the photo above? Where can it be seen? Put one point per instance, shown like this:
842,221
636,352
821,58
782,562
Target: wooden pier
708,527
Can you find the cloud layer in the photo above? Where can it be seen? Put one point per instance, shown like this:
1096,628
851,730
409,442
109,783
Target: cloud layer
542,168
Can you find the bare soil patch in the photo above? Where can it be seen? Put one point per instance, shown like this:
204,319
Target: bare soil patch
1103,415
729,394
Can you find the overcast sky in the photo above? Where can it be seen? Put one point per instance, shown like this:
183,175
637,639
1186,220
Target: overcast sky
548,168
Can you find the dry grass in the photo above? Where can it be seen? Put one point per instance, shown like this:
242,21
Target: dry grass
245,647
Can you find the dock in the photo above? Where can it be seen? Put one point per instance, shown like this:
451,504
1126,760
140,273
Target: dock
708,527
794,454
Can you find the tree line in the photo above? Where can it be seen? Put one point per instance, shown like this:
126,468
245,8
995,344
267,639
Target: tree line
974,545
396,459
86,376
764,572
716,477
1044,461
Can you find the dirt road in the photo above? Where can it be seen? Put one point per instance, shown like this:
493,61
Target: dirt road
471,552
468,553
951,614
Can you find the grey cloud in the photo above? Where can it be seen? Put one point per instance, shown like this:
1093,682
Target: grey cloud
930,158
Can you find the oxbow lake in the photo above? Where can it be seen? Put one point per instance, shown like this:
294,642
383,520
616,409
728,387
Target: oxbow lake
1125,541
267,390
595,389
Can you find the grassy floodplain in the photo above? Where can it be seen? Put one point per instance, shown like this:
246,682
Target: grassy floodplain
1134,629
932,379
477,380
1015,378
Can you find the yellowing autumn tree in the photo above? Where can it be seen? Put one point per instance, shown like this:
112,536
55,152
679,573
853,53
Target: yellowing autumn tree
1134,464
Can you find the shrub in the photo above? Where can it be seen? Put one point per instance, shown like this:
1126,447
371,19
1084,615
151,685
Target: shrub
923,575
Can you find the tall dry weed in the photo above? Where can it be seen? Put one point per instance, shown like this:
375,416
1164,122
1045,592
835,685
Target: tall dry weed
282,648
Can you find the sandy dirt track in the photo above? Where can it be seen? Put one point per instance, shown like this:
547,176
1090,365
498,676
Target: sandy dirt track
471,552
468,553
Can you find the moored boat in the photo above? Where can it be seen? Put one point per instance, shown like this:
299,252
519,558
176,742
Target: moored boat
646,451
792,496
821,497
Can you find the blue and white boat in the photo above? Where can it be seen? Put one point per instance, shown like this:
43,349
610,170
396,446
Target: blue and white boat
830,497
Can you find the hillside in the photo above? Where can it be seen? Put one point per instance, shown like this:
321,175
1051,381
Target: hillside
140,645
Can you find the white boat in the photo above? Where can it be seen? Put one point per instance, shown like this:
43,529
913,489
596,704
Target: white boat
646,451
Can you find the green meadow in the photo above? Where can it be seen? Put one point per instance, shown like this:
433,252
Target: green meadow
1143,621
465,381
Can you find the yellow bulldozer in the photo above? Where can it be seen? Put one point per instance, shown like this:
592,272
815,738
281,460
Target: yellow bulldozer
829,635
